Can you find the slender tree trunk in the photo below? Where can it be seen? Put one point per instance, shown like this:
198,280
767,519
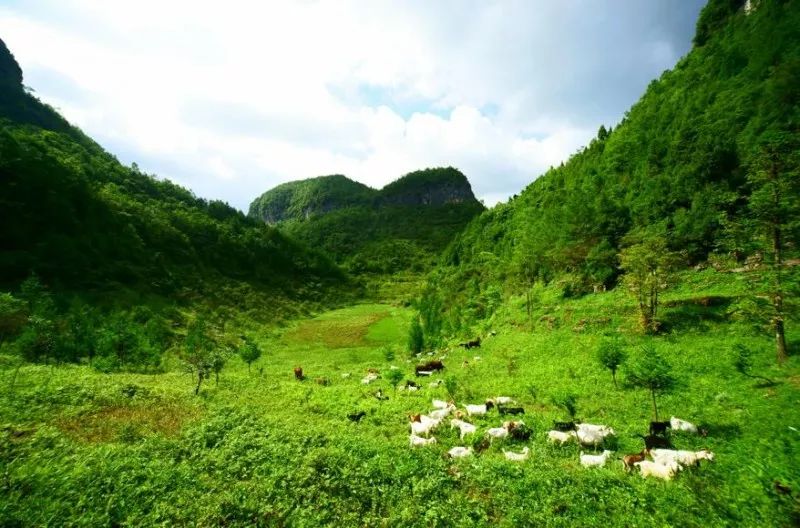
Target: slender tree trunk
248,368
655,407
614,377
199,381
777,297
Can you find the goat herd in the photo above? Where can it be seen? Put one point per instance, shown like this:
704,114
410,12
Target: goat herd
664,462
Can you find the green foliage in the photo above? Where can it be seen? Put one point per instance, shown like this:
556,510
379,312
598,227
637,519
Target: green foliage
651,371
249,351
567,401
451,386
677,163
402,227
201,352
393,376
611,355
416,338
13,315
648,265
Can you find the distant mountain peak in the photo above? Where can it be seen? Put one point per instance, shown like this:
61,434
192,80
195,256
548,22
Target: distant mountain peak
10,72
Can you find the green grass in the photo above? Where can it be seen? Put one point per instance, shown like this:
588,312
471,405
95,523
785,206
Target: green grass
83,448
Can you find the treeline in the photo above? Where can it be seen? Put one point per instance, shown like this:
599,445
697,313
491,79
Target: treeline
703,166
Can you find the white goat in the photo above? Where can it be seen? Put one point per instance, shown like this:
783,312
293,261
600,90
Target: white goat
465,428
441,414
369,378
497,432
593,437
595,460
517,457
418,441
478,410
682,425
503,400
560,437
460,452
657,469
681,457
424,427
439,404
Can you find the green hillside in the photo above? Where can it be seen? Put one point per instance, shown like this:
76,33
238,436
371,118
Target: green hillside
402,227
104,237
685,167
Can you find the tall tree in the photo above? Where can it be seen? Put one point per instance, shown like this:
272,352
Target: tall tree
774,207
648,266
652,372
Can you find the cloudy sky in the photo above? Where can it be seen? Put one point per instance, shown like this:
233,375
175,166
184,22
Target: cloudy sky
231,98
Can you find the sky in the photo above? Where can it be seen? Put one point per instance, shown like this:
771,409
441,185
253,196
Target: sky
232,98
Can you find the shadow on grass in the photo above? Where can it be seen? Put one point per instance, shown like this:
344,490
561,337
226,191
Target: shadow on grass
694,314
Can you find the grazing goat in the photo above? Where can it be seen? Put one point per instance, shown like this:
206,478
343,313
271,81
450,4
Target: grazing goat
471,344
682,425
595,460
659,428
478,410
435,384
593,435
465,428
497,432
460,452
654,441
520,432
564,426
628,461
298,374
411,386
418,441
369,378
440,414
356,416
439,404
656,469
517,457
430,366
503,400
681,457
380,396
423,428
510,410
561,437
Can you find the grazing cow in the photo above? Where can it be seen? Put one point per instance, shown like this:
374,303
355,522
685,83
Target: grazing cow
460,452
657,469
595,460
433,365
517,457
356,416
653,441
561,437
628,461
659,428
510,410
298,374
564,426
682,425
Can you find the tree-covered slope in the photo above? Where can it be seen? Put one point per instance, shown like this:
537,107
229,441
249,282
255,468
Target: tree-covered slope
403,226
71,213
681,165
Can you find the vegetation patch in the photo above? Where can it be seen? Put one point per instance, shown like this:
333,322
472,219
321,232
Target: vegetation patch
129,423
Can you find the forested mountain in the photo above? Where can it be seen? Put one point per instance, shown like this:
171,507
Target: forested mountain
112,255
403,226
690,165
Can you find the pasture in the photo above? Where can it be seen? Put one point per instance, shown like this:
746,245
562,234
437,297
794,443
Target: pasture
82,448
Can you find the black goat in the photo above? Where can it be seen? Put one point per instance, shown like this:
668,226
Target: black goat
659,428
510,410
564,427
356,416
655,442
471,344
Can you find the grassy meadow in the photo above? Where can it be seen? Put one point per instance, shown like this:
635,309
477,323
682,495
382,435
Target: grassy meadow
82,448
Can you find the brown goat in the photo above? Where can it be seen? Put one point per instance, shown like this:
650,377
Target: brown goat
629,460
298,374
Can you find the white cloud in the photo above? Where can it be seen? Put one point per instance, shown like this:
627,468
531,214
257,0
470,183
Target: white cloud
233,98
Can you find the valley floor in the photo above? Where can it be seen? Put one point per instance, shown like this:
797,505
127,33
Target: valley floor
81,448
